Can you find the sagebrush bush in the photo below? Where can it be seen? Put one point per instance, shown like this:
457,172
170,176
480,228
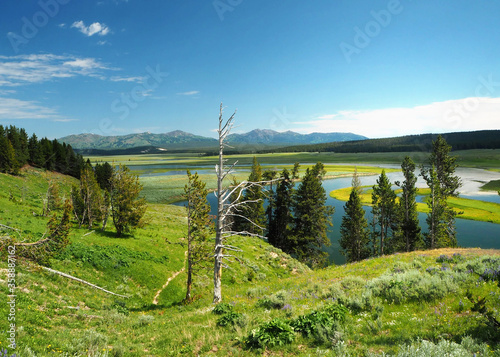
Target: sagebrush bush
90,343
144,320
423,348
351,283
274,301
412,285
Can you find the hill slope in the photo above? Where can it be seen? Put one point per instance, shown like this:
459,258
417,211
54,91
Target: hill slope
391,301
172,140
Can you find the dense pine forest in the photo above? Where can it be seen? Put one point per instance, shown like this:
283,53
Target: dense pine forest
17,150
484,139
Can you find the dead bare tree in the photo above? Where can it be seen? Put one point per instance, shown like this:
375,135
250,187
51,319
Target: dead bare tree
229,204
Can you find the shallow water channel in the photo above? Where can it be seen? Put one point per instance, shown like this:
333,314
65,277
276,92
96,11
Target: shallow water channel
469,233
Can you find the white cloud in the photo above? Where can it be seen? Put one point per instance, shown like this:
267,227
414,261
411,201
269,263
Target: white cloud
193,92
27,69
468,114
13,109
93,29
127,79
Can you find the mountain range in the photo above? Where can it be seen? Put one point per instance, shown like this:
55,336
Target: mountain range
178,139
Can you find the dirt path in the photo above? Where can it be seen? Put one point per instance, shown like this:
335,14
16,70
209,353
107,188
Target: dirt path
155,300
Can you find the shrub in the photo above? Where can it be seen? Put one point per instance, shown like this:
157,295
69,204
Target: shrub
144,320
90,343
275,301
232,319
334,291
274,333
325,319
222,308
411,286
352,283
423,348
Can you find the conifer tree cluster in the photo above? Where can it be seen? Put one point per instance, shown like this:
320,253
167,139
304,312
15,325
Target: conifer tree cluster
295,220
105,191
395,226
17,150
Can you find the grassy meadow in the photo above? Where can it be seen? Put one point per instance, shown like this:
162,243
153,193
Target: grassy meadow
404,302
466,208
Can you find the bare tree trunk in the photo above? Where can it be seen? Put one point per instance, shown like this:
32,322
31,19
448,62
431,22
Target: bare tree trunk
220,215
228,206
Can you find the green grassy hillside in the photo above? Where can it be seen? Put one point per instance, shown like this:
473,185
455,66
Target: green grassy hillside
391,301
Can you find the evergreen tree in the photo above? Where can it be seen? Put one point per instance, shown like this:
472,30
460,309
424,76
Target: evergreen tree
384,210
8,162
312,219
200,228
354,235
295,171
104,175
126,207
409,232
270,175
356,182
53,199
35,151
281,224
253,211
443,183
91,197
48,154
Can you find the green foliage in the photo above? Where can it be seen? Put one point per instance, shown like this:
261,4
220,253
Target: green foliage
270,334
126,206
281,224
412,285
16,150
441,179
384,212
91,343
232,319
468,347
354,237
222,308
408,237
274,301
320,320
55,242
312,217
199,229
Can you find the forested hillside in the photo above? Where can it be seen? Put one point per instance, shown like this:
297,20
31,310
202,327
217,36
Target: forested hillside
17,150
484,139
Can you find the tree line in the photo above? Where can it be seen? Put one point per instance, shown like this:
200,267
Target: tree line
484,139
395,226
17,150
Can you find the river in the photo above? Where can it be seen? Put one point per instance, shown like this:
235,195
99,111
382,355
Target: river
469,233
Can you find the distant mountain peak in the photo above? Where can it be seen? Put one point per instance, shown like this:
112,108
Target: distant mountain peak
179,139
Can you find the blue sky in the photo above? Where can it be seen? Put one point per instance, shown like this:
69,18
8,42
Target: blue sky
376,68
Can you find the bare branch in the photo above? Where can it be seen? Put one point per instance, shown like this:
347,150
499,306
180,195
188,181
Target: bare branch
82,281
